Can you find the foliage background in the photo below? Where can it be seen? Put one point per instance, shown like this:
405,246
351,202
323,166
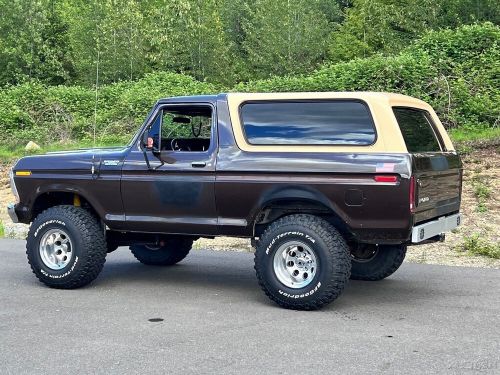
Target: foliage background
54,54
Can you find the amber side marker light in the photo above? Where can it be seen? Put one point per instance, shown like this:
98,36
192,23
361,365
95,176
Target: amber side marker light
384,178
23,173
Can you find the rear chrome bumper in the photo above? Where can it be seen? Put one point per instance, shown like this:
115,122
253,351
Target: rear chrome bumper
435,228
11,209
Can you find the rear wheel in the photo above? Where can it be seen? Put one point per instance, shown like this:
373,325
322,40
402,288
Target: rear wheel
302,262
372,262
66,248
172,251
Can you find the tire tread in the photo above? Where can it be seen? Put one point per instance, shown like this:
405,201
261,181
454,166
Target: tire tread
391,265
336,246
92,234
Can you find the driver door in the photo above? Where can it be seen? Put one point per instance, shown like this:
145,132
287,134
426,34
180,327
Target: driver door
176,193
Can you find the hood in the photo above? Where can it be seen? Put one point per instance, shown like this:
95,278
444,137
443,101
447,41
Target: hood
73,160
93,150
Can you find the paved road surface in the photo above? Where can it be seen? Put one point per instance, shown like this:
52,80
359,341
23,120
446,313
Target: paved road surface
424,319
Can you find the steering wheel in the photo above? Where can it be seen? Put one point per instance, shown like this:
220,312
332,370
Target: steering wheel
175,146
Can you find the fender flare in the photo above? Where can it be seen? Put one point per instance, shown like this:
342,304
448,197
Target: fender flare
72,189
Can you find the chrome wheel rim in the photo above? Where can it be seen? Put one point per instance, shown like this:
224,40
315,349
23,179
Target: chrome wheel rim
56,249
295,264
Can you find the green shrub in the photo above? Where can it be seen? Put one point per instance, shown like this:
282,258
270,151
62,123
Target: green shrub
476,245
482,190
60,114
470,59
456,71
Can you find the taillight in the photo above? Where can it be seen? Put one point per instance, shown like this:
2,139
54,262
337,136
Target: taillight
412,194
385,178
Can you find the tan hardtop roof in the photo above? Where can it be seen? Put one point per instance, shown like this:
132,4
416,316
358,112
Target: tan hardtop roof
391,98
389,137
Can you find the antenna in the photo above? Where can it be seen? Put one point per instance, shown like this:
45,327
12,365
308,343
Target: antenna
96,94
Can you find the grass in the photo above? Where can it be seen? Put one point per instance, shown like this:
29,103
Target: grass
8,154
2,230
460,135
482,191
475,245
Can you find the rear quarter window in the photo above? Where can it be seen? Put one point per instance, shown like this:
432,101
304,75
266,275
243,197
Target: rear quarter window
417,129
339,122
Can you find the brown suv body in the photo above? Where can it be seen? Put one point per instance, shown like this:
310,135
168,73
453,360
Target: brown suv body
235,188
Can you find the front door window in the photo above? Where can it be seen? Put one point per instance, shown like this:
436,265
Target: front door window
182,129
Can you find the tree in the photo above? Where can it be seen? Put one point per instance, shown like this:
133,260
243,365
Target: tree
188,36
55,55
221,41
454,13
34,42
108,32
381,26
284,36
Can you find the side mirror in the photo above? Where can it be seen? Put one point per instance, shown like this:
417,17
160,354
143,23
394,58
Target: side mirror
147,141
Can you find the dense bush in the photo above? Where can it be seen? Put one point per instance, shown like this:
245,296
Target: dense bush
457,71
468,58
32,111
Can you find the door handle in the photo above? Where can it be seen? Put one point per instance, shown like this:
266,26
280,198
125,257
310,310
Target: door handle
198,164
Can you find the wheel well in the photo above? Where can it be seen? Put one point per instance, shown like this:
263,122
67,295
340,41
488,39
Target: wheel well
277,209
57,198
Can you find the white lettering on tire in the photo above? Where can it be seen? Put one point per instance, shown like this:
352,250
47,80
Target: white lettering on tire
302,295
45,273
281,235
47,223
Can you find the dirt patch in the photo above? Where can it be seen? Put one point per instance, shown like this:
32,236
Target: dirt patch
480,209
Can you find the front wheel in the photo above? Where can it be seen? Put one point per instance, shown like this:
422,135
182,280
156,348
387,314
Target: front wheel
171,251
302,262
66,247
373,263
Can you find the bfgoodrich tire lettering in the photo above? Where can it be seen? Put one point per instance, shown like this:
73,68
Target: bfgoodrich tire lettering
88,247
385,261
331,256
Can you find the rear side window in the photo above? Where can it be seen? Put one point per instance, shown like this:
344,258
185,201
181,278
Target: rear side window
417,130
339,122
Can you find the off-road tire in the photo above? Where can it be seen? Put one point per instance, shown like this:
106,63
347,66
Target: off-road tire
174,250
331,251
110,247
384,263
89,247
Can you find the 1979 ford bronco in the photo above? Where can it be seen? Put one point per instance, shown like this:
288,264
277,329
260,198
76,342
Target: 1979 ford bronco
329,186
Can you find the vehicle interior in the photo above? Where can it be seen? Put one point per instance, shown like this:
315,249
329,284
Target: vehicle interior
182,128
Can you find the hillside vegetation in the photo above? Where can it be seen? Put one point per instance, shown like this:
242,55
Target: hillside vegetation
456,71
77,73
88,42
